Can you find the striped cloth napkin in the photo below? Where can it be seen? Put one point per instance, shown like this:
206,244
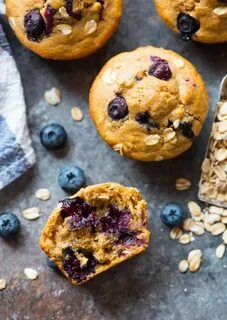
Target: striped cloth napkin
16,152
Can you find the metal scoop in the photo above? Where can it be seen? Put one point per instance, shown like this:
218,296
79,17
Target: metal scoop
222,97
223,89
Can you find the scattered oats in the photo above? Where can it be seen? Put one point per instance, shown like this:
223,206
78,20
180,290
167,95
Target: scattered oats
169,134
3,284
12,22
185,238
194,260
42,194
197,229
220,251
185,290
217,210
187,224
194,265
63,13
53,96
194,253
66,29
76,114
194,208
224,236
176,124
31,213
183,266
220,11
162,230
30,273
224,220
218,228
224,213
212,218
175,233
152,139
90,27
109,77
182,184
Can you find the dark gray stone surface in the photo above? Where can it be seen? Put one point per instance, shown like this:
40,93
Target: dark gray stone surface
148,287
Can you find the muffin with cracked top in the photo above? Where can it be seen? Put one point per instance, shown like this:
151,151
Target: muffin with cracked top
64,29
204,21
149,104
96,229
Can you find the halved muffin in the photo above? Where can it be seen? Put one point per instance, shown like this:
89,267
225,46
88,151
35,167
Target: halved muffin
97,228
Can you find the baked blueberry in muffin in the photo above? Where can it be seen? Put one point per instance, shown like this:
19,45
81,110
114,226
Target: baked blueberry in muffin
149,104
64,29
97,228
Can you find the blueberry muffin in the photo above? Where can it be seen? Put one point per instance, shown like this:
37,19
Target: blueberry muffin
204,21
64,29
149,104
97,228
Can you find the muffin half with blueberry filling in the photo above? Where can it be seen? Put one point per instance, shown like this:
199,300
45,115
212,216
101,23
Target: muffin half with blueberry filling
149,104
96,229
204,21
64,29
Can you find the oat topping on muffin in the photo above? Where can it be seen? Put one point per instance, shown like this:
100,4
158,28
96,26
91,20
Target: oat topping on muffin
149,104
64,29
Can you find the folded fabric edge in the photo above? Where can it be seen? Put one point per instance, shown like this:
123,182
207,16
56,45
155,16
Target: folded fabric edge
22,166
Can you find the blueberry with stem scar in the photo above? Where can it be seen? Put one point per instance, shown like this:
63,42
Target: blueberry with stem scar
9,224
172,214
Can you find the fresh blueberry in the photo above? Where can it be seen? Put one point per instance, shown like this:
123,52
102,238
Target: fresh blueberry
186,129
51,264
34,25
9,224
118,108
71,178
172,214
53,136
187,25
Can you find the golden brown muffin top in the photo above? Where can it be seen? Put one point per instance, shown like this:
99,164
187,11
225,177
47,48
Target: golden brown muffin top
207,19
162,101
64,29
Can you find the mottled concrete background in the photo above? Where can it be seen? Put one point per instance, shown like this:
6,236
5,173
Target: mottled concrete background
149,286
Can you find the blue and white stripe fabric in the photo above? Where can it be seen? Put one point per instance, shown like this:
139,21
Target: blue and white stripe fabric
16,152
